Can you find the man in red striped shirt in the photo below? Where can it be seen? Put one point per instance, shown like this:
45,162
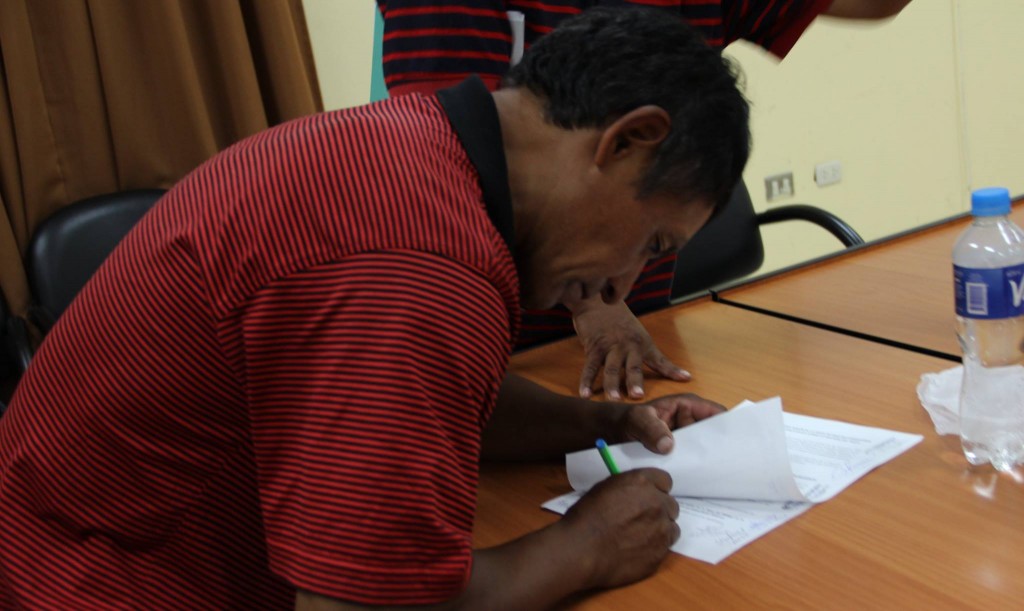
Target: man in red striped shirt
276,391
430,44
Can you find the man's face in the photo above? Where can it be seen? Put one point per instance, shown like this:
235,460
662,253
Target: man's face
601,242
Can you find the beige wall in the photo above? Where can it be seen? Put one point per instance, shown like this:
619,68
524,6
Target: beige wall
341,32
992,65
918,110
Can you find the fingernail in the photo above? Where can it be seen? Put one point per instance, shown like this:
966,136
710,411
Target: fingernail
614,395
682,373
665,444
584,392
636,392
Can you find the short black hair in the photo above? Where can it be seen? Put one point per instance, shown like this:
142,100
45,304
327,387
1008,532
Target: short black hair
601,64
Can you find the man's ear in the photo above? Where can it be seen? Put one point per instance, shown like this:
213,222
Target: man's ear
640,130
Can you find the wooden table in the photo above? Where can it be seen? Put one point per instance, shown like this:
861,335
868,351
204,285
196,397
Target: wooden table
921,532
899,291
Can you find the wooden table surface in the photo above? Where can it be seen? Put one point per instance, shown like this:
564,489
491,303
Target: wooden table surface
900,290
921,532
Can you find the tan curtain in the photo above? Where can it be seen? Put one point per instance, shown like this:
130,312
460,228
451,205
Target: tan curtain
108,95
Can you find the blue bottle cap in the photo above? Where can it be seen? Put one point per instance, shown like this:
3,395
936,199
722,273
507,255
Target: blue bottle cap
993,201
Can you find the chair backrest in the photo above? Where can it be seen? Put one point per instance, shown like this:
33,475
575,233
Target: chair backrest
68,248
728,247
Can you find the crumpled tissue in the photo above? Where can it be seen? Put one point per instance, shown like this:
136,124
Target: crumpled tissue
940,396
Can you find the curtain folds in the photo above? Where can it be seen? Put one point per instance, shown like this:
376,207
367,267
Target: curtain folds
108,95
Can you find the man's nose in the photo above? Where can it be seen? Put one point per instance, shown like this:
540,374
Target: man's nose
616,289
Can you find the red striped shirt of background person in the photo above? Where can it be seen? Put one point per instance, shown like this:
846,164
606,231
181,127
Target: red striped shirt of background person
431,44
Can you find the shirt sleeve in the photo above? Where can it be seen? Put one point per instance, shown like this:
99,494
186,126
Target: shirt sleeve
433,44
369,382
776,25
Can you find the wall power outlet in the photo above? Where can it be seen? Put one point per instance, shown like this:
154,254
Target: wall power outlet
779,185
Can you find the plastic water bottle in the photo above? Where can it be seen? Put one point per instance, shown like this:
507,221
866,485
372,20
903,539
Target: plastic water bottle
988,278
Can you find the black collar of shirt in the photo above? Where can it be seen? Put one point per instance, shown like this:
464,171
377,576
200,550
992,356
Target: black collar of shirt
473,115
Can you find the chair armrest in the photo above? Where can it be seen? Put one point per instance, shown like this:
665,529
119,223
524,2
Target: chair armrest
822,218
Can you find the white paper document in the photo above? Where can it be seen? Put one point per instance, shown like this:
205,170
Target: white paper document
740,474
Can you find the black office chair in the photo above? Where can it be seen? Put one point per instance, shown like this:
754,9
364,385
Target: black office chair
729,247
68,248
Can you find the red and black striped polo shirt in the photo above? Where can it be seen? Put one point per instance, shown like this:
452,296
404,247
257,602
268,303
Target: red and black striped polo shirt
430,44
278,380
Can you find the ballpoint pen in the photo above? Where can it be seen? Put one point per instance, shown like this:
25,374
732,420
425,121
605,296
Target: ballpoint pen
609,462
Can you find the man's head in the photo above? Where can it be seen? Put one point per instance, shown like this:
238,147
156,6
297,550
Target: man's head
652,134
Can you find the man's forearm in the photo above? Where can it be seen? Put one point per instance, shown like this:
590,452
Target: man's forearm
533,423
548,565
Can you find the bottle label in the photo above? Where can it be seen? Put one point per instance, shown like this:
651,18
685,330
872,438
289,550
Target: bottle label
989,293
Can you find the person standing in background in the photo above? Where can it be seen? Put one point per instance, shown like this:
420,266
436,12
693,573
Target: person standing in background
432,44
